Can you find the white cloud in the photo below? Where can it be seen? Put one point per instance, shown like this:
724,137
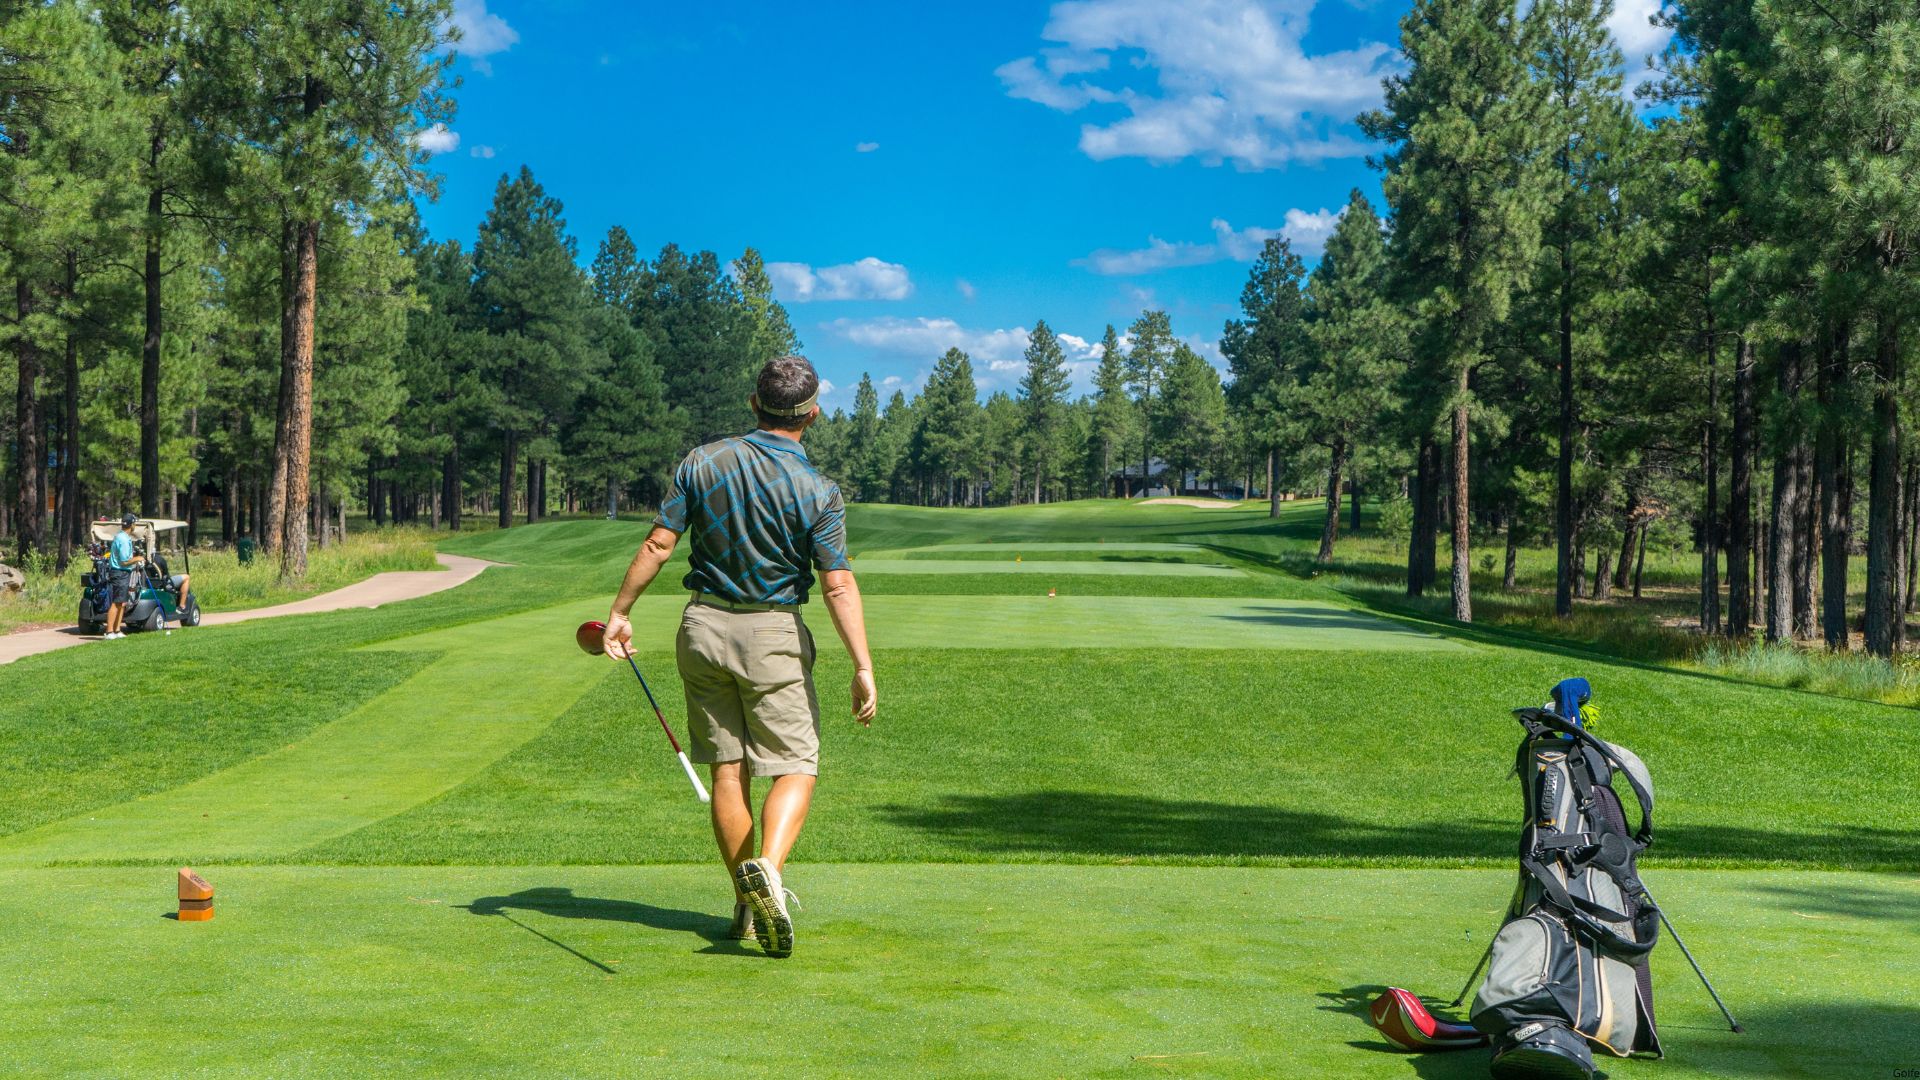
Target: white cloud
868,279
965,288
826,389
480,150
924,339
482,33
438,139
865,147
1639,39
1231,80
1306,230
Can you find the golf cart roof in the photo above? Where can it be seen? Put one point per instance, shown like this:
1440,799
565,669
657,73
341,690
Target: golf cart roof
143,529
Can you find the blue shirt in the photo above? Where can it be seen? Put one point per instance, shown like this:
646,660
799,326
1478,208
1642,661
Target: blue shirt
758,519
121,557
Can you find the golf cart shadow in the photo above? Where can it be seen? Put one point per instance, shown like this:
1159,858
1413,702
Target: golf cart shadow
1430,1065
560,902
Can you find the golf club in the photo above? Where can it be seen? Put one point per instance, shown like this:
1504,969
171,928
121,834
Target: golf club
592,639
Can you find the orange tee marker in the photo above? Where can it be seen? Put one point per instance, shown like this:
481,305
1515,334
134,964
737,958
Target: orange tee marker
196,897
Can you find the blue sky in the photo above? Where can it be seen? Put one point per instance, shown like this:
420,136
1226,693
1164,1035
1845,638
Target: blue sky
943,174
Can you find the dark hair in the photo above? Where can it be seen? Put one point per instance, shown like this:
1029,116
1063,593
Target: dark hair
784,383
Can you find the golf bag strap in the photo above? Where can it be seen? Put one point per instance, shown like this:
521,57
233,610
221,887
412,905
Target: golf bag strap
1536,719
1582,914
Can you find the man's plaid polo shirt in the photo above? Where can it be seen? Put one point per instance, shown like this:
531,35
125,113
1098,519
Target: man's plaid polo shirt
758,518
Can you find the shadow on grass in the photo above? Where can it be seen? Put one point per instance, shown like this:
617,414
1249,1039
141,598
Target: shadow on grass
560,902
1849,901
1092,823
1434,1065
1123,826
1324,619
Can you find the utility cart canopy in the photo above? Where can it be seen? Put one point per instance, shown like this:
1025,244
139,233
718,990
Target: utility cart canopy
145,530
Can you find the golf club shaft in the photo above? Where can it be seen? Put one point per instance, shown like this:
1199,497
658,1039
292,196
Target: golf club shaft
645,689
1476,974
1688,953
699,788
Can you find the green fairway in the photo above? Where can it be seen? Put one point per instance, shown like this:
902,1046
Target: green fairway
907,970
1158,823
1055,567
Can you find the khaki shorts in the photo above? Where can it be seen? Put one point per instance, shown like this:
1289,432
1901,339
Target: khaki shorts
749,681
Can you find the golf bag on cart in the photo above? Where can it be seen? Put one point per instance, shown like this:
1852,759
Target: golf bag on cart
1569,966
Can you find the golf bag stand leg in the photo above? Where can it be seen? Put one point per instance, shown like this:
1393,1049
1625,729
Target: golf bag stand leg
1688,953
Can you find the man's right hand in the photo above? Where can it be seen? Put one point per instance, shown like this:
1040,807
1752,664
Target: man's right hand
618,639
866,698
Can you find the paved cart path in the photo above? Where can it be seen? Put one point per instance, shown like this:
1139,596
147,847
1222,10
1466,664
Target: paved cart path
379,589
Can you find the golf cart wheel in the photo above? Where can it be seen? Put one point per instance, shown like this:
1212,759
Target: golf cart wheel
156,622
191,616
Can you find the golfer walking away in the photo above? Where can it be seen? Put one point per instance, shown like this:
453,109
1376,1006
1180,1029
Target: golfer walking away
758,520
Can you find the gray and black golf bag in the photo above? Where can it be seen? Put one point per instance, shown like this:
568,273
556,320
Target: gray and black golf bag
1569,966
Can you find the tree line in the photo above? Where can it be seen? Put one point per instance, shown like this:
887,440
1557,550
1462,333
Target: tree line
1572,320
1580,323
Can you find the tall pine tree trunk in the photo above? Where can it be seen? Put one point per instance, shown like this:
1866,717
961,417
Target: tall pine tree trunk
1423,548
509,455
151,282
1710,512
270,519
1510,571
1273,482
1780,553
453,489
1883,491
306,269
1563,585
1740,498
72,519
30,508
1330,528
1832,456
1462,518
1785,509
1806,538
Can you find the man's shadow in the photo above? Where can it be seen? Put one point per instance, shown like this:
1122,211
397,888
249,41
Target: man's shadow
560,902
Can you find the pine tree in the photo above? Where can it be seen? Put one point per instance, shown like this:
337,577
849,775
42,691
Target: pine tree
701,338
770,333
1113,414
1147,360
1590,130
1465,182
1192,416
325,103
1356,336
1043,393
869,469
532,300
950,422
1266,354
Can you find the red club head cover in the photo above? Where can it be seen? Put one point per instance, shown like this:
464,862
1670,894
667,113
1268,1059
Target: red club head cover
1407,1024
591,637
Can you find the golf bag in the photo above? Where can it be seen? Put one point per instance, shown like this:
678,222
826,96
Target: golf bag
1569,966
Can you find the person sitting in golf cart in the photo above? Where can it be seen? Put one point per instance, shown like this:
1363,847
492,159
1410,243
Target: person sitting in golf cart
121,561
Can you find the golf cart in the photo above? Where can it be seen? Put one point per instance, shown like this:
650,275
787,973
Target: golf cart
153,590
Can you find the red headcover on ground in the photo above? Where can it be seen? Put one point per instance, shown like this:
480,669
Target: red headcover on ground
1407,1023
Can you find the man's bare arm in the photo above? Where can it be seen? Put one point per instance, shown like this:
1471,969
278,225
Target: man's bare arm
842,595
653,554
